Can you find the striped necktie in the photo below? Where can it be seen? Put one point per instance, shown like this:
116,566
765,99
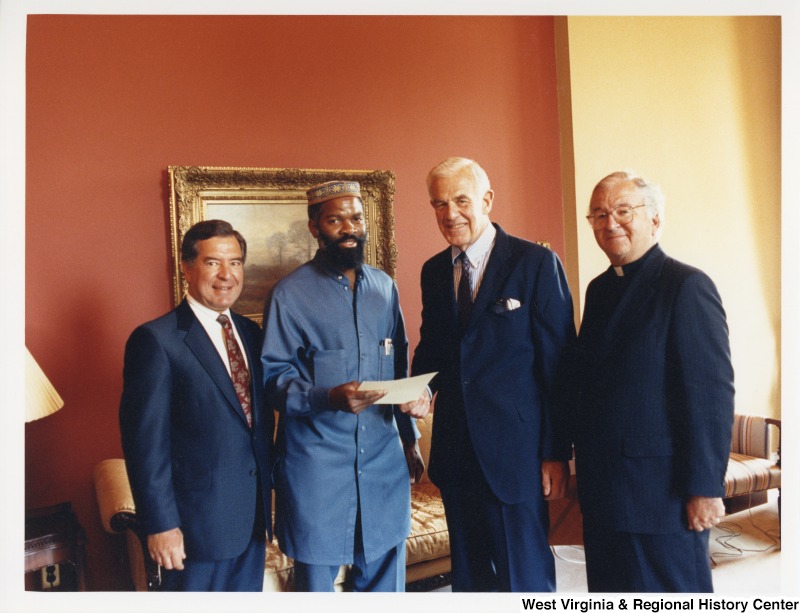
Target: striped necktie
464,296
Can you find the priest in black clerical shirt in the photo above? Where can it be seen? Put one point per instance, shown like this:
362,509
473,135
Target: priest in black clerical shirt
652,403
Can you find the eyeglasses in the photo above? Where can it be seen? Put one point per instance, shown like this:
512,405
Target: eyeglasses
622,215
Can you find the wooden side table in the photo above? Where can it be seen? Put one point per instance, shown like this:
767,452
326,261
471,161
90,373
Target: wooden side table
55,542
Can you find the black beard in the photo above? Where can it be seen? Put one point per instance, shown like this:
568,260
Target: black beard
344,258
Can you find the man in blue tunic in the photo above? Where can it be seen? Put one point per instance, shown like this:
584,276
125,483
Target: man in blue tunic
342,484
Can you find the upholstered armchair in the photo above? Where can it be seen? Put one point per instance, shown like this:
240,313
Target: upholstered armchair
118,516
752,468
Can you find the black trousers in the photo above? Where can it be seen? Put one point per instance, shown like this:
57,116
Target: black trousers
628,562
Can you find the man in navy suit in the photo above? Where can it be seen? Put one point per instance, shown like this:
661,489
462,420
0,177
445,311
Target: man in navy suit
494,327
196,437
653,387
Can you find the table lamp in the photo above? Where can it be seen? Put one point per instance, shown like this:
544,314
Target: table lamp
41,398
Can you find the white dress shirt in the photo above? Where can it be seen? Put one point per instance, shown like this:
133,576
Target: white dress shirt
208,319
478,254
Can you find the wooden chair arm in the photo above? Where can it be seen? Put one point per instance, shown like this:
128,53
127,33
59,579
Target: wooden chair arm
777,423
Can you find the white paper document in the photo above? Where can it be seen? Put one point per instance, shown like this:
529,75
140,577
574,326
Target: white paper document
400,391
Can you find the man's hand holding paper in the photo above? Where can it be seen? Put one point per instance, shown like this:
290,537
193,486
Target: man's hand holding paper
411,391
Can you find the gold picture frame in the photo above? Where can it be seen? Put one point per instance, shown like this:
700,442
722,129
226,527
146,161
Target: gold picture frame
268,207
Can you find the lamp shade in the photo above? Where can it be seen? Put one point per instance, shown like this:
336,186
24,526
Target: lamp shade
41,398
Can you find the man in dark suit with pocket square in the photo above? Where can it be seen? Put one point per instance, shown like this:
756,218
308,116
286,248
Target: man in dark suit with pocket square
196,437
653,399
496,316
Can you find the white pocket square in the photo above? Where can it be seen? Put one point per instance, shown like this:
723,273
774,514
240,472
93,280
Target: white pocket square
506,304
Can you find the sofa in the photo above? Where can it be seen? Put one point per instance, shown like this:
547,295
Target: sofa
427,547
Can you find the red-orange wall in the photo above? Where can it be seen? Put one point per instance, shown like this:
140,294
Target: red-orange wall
112,101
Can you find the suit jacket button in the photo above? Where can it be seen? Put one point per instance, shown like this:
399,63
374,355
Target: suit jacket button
253,472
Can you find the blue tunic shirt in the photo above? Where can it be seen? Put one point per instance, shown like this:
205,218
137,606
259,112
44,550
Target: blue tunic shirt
320,334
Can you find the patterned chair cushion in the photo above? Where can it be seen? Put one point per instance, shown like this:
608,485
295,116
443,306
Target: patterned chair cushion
747,474
429,538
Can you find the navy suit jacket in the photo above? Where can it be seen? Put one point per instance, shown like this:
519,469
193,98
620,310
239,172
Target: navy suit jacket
496,381
192,460
653,398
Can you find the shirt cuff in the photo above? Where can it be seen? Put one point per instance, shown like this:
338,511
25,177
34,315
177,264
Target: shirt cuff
318,398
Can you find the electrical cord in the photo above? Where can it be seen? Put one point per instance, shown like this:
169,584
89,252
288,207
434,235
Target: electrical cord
732,530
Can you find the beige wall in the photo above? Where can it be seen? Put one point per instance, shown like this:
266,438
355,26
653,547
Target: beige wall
693,103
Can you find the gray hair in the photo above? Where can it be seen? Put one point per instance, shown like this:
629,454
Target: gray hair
453,166
653,196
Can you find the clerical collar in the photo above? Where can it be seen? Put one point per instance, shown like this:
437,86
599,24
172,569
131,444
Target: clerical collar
627,270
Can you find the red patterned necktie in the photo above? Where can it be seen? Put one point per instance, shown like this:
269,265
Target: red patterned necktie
239,372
